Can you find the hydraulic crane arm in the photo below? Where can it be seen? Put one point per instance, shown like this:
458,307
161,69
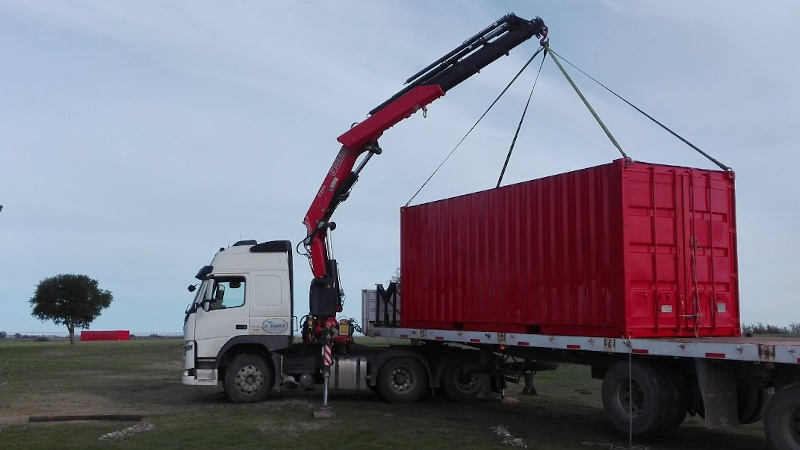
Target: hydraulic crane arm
422,88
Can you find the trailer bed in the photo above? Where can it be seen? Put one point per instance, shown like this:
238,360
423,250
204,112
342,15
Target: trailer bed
754,349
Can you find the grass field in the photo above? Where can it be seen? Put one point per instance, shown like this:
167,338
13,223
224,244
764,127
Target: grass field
143,377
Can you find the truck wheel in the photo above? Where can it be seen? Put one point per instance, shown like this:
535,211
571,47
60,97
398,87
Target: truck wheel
752,397
248,379
402,380
460,384
782,419
634,401
675,401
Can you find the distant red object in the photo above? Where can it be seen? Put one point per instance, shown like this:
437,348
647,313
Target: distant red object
635,249
115,335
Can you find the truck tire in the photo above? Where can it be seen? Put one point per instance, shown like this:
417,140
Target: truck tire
752,397
645,397
461,385
675,401
402,380
248,379
782,419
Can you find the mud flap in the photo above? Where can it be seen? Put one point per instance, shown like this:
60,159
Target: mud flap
718,387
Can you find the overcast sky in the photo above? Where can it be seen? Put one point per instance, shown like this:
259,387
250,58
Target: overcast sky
139,137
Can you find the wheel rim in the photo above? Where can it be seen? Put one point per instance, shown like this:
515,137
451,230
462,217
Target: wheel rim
402,379
249,379
630,397
465,381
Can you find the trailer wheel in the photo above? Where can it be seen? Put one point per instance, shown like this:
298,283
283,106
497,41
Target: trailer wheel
248,379
635,401
782,419
402,380
752,397
461,384
675,402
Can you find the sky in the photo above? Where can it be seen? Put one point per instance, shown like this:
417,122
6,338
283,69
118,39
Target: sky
136,138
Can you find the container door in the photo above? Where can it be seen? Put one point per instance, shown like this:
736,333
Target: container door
710,246
681,251
654,233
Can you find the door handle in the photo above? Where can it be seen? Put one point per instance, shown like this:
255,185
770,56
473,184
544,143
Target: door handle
241,327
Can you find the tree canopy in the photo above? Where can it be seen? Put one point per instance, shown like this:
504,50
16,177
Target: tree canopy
71,300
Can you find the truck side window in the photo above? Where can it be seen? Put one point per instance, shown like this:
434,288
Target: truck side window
228,292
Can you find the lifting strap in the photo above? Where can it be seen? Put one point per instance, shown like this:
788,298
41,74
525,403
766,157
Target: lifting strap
586,102
553,54
519,125
475,125
709,157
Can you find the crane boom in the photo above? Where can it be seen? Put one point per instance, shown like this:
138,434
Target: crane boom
421,89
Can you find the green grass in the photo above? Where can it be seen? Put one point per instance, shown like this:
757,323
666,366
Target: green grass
143,377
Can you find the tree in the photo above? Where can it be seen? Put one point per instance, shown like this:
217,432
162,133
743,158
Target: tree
71,300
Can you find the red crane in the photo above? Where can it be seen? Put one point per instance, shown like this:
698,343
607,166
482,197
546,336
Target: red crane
430,83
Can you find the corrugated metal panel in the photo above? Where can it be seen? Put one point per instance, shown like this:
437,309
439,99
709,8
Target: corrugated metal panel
614,250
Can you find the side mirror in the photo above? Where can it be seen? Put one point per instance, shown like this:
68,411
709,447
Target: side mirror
192,288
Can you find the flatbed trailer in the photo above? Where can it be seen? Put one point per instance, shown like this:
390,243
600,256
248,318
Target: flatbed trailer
649,384
742,349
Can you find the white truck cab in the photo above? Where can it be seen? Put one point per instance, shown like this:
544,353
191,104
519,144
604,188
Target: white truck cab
244,299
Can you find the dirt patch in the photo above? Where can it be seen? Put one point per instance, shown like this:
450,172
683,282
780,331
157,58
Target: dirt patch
292,403
279,409
28,405
293,429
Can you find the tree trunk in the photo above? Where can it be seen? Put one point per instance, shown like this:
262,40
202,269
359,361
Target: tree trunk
71,329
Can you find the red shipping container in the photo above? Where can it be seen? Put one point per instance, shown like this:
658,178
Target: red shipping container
624,249
115,335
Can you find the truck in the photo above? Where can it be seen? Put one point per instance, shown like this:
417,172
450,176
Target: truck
239,328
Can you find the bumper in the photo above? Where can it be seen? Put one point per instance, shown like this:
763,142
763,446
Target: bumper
199,377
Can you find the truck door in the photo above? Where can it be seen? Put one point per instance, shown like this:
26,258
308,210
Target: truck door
271,308
224,315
